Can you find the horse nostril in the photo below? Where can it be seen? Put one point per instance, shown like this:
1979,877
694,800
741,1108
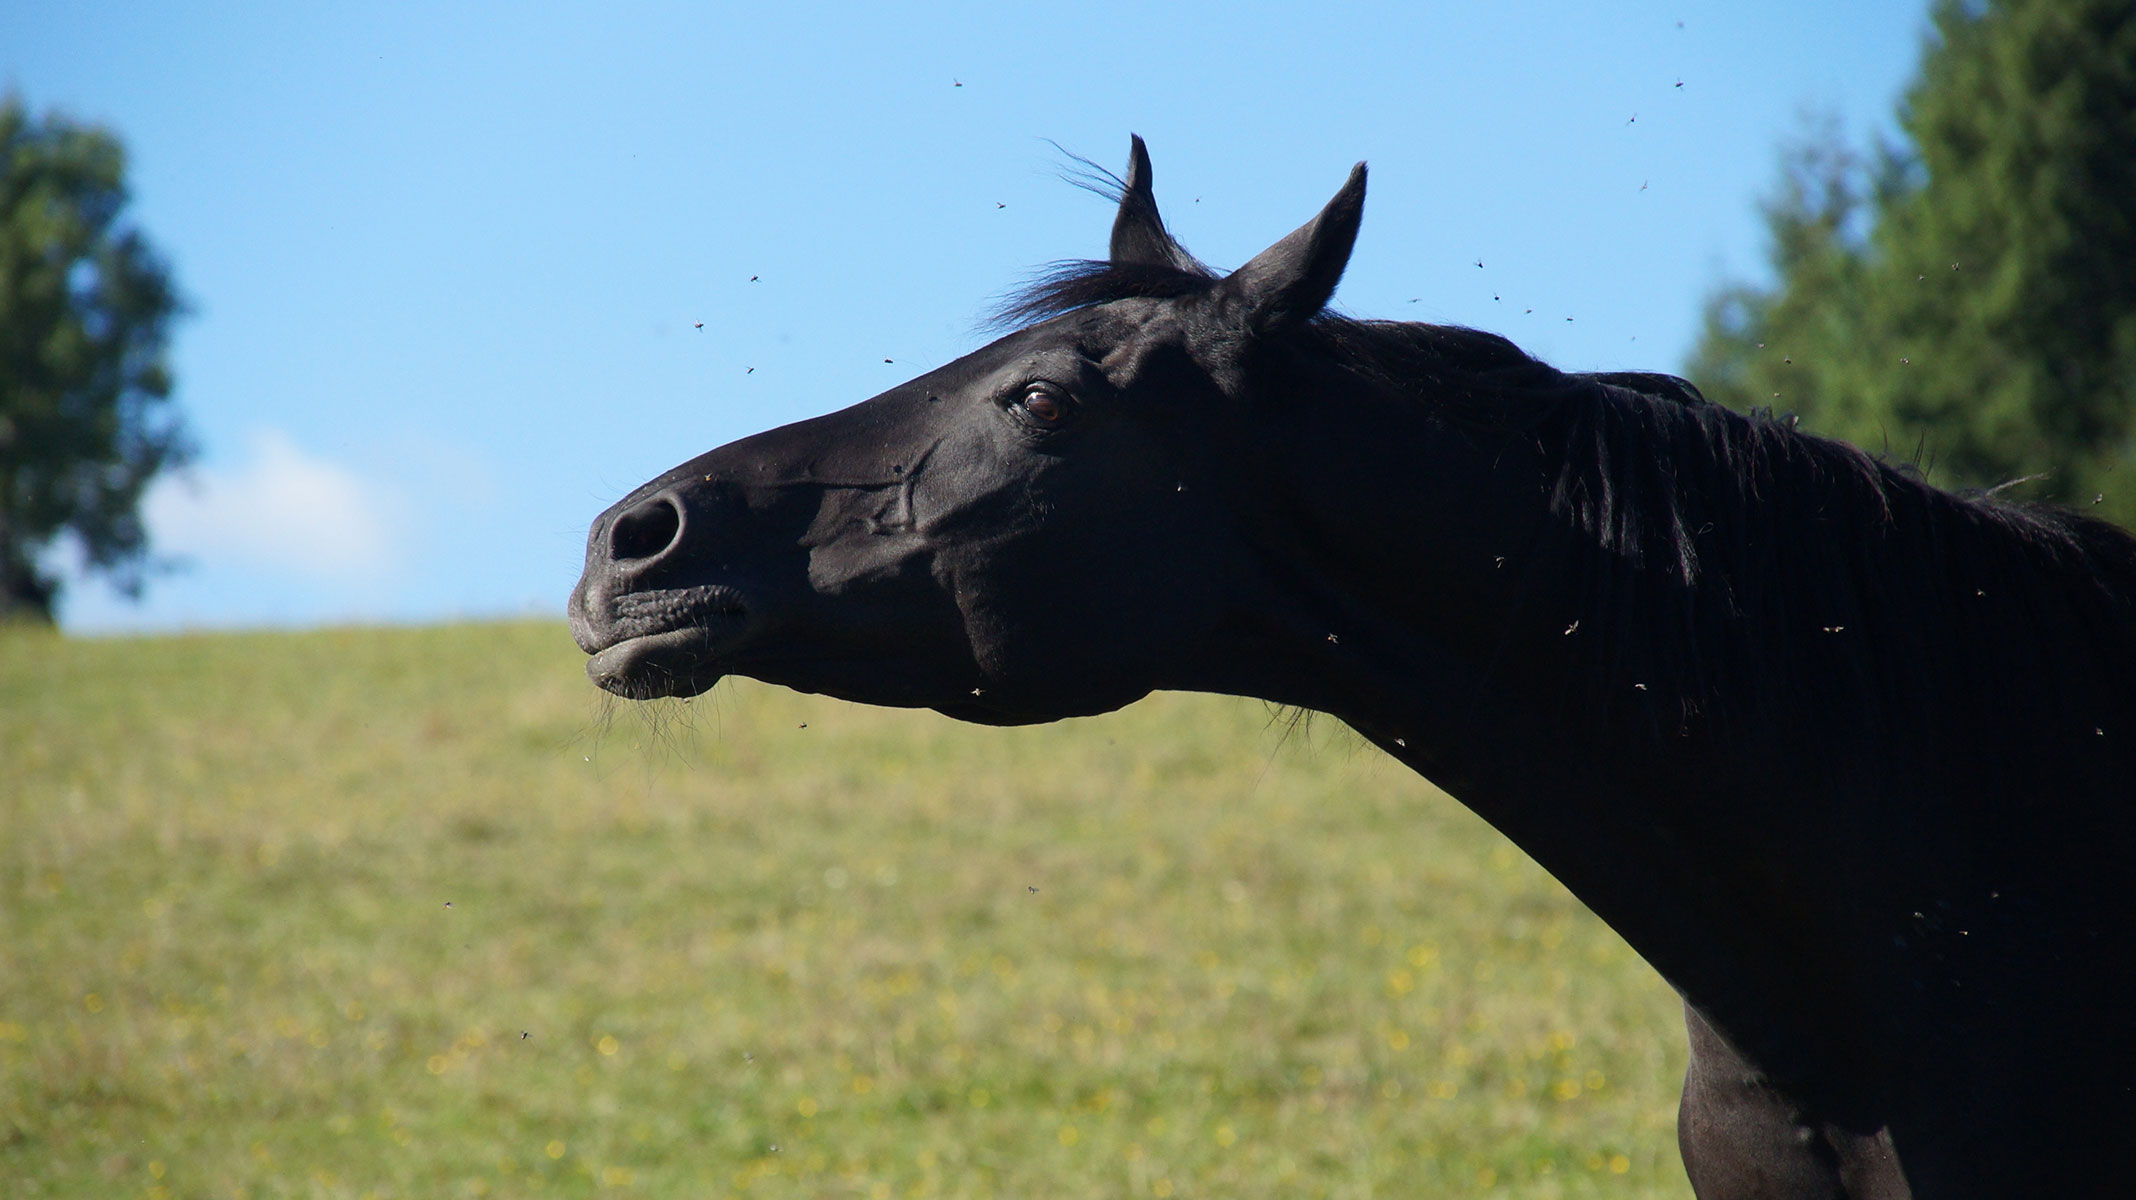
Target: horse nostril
645,531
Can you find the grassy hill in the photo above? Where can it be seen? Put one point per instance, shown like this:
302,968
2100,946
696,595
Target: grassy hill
411,913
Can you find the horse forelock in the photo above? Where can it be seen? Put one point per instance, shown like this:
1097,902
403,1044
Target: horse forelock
1076,284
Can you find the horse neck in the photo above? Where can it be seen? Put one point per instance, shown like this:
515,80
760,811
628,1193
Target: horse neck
1438,594
1422,582
1754,698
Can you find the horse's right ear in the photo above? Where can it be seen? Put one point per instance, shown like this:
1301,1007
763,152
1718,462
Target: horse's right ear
1138,233
1291,281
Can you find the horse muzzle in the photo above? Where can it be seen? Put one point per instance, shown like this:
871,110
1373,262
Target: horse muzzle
647,637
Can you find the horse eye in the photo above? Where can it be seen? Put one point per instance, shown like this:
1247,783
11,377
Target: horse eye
1044,406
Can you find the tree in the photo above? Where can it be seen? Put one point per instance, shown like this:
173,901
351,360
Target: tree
1970,294
85,306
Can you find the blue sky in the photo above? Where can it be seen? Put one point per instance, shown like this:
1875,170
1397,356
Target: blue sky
447,262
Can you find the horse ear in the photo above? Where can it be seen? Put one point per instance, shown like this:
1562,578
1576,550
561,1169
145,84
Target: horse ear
1138,233
1291,281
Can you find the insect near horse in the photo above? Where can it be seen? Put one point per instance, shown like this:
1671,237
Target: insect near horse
1847,758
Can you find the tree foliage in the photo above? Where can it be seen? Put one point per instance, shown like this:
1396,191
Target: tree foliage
1969,295
85,306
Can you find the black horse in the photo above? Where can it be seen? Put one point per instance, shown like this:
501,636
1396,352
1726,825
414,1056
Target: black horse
1851,760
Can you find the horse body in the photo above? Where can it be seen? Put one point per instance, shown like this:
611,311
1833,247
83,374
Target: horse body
1847,758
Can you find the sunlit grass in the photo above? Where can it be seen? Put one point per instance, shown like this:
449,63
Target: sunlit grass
403,914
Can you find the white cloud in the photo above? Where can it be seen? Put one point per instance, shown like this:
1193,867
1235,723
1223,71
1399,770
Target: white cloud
282,509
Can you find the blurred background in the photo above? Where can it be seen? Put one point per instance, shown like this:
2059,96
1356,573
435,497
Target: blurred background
325,331
448,282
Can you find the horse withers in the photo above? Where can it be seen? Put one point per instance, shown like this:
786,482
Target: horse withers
1849,759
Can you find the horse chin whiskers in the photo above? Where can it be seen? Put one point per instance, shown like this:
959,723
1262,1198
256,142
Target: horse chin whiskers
1293,720
670,725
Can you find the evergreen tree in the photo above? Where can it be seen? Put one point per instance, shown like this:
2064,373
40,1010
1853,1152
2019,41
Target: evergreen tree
1971,294
84,390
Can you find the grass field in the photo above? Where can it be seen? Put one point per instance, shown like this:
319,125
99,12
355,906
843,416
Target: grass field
409,913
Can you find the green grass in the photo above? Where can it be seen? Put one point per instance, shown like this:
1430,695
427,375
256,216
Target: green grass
409,913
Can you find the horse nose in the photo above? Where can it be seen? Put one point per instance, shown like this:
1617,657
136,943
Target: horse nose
645,533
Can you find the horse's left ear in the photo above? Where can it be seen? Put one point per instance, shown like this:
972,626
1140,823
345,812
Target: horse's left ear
1291,281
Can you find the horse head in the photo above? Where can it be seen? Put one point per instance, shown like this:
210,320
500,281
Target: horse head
1053,525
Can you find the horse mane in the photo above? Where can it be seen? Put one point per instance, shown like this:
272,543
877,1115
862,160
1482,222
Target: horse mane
1773,596
1773,579
1789,603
